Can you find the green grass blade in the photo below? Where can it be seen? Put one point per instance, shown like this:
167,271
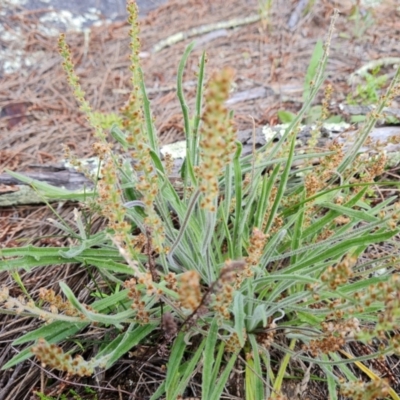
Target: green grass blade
185,113
282,371
157,162
115,319
208,359
250,206
226,235
52,336
119,135
28,262
331,215
282,186
348,373
150,130
239,316
129,339
341,249
228,191
107,264
199,105
297,234
312,69
181,96
237,235
49,332
267,185
187,370
53,192
159,392
174,362
218,361
220,385
356,214
332,382
253,380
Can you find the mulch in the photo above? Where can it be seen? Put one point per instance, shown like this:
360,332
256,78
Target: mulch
38,114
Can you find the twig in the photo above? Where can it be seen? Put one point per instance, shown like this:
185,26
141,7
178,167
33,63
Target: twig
11,381
178,37
295,16
381,62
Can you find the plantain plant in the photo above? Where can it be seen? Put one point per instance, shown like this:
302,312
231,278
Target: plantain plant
231,260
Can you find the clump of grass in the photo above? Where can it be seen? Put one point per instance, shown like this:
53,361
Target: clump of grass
242,262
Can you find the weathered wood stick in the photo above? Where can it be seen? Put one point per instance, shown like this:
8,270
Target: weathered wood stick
14,192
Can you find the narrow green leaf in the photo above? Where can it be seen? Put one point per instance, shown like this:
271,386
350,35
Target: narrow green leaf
240,315
53,192
332,382
115,319
49,331
181,97
157,162
51,335
218,361
187,371
341,249
282,186
119,136
226,235
208,359
297,234
199,105
348,373
129,339
150,130
185,112
331,215
29,263
110,265
220,385
356,214
228,191
312,69
128,179
282,370
253,379
174,362
267,185
159,392
237,235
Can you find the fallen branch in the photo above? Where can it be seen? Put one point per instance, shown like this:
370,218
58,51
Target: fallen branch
200,30
63,176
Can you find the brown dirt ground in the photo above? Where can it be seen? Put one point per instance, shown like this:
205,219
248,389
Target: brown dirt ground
39,115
